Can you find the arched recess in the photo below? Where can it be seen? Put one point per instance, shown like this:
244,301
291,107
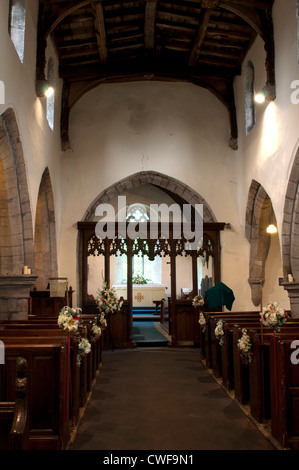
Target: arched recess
45,252
16,233
259,214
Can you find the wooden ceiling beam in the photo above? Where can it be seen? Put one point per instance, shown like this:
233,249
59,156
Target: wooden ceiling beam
201,33
261,21
149,26
99,23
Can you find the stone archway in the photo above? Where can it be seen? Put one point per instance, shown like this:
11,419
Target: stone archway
178,190
16,233
45,253
258,214
290,237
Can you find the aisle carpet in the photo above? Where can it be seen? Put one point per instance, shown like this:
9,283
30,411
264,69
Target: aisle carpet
161,399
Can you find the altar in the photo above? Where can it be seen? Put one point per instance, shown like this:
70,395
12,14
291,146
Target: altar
143,294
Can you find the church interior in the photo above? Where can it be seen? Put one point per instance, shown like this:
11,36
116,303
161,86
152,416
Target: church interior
143,110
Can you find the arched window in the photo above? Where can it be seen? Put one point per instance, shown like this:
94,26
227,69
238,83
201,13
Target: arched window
249,97
17,16
143,268
51,94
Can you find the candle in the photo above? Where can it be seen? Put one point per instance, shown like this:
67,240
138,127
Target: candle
290,278
25,269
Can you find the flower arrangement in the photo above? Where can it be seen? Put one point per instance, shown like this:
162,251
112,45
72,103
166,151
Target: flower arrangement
102,320
84,347
273,316
245,347
202,322
219,332
198,301
96,331
69,319
139,279
108,302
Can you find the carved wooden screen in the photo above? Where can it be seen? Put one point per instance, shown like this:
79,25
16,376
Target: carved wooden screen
91,245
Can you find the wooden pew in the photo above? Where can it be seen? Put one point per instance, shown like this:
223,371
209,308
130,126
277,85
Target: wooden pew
284,386
235,374
46,337
212,344
87,370
232,368
14,429
207,335
227,350
47,372
259,369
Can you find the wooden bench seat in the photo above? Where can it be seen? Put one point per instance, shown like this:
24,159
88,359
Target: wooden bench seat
233,375
92,360
14,428
259,370
206,349
284,387
47,385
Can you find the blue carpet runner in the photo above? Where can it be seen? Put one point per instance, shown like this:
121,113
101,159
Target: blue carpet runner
146,334
145,314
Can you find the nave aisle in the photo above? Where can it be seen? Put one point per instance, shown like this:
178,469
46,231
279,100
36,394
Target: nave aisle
161,399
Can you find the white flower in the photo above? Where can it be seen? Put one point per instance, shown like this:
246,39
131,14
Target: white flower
219,332
202,321
84,346
244,345
96,331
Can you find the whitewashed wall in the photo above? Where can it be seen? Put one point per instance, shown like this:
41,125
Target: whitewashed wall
176,129
41,146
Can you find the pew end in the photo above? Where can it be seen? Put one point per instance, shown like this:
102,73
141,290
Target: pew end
14,429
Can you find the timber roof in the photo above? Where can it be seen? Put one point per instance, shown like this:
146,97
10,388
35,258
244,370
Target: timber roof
200,41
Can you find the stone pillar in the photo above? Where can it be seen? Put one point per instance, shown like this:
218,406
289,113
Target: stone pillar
14,294
293,291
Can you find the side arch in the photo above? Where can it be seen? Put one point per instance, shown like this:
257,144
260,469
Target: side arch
16,232
45,251
258,216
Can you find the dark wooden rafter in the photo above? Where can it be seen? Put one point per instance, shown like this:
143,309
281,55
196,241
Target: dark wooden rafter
100,31
149,27
202,42
201,33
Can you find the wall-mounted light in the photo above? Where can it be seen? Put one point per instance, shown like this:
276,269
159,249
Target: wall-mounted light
267,93
260,97
271,228
44,88
49,91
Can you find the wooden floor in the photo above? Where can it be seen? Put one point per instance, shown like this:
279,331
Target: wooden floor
159,399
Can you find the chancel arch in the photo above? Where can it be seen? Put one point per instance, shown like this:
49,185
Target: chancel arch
182,263
45,252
